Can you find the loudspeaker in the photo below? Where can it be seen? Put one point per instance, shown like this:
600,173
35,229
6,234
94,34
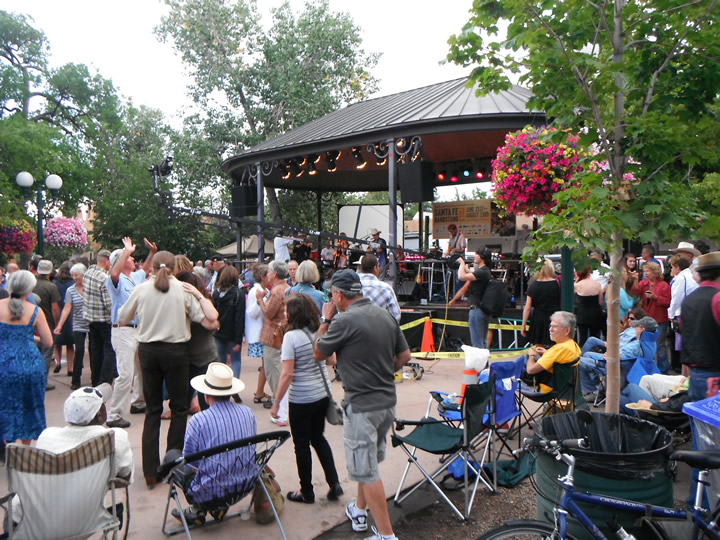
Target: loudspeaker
416,181
408,291
243,201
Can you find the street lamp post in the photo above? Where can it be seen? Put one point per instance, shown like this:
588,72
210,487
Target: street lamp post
53,182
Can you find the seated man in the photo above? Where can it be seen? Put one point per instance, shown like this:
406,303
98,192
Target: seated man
85,411
211,483
629,350
541,360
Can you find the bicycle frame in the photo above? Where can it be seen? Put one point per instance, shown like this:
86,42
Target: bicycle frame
568,505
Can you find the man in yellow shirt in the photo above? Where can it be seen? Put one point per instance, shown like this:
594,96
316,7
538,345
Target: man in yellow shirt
540,359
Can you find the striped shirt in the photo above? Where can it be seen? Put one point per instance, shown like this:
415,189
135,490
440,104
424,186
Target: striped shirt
380,293
306,385
96,301
225,473
79,324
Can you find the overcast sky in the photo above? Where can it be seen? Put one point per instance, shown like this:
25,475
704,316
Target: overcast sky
116,38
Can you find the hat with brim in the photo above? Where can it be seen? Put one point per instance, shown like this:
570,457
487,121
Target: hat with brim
640,408
648,323
687,247
82,405
374,231
346,280
217,381
45,267
709,260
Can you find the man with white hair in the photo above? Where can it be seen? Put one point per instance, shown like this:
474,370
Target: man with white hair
120,283
565,350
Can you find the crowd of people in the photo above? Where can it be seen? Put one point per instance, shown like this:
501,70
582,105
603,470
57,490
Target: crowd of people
165,330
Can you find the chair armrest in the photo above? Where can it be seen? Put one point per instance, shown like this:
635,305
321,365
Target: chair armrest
6,498
400,423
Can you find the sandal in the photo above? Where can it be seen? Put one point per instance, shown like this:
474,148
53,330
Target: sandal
262,399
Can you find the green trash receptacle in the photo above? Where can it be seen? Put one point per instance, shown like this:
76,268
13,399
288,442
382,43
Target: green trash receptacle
627,458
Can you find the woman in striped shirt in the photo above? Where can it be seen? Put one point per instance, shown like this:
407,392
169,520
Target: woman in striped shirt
302,376
74,306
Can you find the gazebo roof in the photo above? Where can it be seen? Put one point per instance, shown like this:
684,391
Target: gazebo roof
453,122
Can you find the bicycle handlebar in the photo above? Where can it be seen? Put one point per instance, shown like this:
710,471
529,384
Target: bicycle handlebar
550,446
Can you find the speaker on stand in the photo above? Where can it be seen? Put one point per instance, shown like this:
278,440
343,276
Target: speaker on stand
243,201
416,181
409,291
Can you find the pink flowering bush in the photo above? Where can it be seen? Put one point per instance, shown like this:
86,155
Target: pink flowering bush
531,168
65,232
16,236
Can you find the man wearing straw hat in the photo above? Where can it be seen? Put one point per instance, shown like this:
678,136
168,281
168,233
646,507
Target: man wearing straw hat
212,481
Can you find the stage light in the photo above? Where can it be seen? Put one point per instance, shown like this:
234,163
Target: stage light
284,172
454,177
295,168
358,157
331,158
315,158
415,149
479,175
303,162
441,176
311,168
466,173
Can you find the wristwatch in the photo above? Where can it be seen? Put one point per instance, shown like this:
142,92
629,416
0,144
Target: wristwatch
324,320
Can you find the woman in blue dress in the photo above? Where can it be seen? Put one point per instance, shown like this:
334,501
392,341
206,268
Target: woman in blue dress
22,368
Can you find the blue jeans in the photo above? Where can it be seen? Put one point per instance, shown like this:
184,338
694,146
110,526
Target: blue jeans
698,382
590,343
632,393
223,347
478,323
662,351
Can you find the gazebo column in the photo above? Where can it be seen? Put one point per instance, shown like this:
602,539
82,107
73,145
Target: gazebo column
392,201
260,211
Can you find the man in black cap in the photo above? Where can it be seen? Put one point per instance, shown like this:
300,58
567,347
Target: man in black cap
700,323
368,380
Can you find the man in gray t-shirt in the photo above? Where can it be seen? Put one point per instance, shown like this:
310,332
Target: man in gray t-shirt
370,347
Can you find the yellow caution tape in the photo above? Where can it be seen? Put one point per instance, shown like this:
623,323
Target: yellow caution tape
461,355
414,323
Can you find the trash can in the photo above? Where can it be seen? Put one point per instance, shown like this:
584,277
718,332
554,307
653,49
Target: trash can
705,424
627,458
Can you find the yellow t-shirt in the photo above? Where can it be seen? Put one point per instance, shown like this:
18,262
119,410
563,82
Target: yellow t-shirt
560,353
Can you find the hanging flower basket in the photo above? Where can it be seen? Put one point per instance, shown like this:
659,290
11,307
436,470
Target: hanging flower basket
16,236
531,168
65,233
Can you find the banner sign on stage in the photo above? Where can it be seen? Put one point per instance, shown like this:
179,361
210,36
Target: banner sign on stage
473,218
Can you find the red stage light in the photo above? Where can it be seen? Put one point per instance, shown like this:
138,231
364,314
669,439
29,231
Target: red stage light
453,178
441,177
480,175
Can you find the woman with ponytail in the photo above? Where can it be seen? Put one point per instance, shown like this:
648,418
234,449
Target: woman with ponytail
165,307
22,369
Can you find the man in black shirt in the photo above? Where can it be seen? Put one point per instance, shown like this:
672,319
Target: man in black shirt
479,277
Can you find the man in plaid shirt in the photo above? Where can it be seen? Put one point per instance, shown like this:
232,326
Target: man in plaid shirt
378,292
96,308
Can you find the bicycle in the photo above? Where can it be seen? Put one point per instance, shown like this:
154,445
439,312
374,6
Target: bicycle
702,460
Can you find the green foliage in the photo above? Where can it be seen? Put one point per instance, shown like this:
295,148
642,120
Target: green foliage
254,83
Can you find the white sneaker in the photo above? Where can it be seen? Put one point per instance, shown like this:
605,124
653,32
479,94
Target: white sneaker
357,517
379,536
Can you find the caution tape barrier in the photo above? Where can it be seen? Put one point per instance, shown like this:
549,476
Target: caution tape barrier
461,355
448,322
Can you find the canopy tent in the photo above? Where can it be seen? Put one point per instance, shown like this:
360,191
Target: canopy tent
249,246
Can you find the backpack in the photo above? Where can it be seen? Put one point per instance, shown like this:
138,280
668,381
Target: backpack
494,298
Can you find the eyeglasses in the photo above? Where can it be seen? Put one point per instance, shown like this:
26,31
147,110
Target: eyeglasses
631,318
90,390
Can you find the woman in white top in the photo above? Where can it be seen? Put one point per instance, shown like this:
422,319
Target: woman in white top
253,325
302,376
165,307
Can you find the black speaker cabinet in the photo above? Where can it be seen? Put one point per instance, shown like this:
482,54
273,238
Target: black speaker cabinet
243,201
408,291
416,181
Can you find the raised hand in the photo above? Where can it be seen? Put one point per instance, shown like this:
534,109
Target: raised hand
128,245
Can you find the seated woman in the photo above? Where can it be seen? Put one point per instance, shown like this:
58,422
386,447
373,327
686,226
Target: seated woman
542,360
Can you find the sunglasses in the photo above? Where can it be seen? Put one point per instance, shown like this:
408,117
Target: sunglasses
90,390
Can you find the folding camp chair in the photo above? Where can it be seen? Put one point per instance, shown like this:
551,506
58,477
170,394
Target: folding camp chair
565,396
648,348
62,495
264,445
440,438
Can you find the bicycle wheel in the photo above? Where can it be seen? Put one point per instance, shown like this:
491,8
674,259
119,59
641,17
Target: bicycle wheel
522,530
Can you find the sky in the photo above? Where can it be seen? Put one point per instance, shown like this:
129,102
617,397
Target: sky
116,38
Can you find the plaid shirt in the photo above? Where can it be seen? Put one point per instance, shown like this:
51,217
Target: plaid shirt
380,293
96,299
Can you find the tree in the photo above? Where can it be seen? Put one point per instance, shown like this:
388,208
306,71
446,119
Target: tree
254,83
639,78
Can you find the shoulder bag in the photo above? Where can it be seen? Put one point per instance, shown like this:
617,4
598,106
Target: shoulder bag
334,413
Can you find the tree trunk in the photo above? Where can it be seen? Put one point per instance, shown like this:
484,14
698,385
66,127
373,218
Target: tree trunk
275,211
612,298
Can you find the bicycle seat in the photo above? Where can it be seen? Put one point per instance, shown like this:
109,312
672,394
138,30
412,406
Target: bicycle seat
700,459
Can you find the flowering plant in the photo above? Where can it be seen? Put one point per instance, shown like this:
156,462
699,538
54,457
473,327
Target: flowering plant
65,232
531,168
16,236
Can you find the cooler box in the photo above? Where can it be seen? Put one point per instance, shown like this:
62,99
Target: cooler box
705,423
